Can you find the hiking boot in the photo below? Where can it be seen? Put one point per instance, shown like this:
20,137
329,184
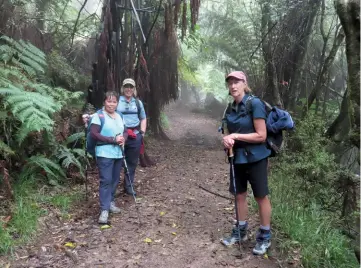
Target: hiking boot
103,218
129,190
237,232
263,242
113,208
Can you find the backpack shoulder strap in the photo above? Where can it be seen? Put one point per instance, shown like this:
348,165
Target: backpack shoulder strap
137,102
227,111
120,114
249,104
101,117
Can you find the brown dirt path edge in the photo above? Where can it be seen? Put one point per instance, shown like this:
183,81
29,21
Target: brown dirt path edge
183,222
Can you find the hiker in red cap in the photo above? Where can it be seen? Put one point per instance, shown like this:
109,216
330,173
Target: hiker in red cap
245,121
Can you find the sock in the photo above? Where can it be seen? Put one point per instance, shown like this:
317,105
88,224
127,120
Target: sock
241,223
265,228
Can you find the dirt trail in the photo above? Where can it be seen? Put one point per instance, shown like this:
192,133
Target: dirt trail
183,221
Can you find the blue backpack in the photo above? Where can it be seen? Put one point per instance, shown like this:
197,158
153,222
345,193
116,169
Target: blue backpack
90,142
277,121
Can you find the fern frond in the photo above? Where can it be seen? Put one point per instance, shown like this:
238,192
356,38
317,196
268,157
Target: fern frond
74,137
79,152
9,88
3,115
51,168
26,52
30,71
7,39
6,53
22,100
67,158
31,63
14,74
5,149
76,95
39,55
31,108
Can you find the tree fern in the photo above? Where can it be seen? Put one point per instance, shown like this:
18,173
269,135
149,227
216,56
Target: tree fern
30,102
33,52
30,106
26,53
34,110
15,75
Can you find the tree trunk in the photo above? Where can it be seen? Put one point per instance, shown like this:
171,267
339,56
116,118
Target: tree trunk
340,128
349,14
6,12
271,94
300,53
326,98
41,6
322,77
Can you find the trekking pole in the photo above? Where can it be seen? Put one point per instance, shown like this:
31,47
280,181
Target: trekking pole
86,163
233,177
130,182
223,129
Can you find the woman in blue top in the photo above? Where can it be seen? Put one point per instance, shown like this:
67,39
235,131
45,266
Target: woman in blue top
108,153
136,123
247,127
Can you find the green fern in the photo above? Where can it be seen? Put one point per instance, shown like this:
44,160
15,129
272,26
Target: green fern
25,52
33,53
31,103
5,150
38,163
15,75
74,138
3,115
33,109
67,157
30,106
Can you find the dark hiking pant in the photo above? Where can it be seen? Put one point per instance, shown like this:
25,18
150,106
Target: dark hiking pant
132,151
109,175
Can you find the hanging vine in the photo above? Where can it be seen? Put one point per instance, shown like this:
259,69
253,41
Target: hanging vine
153,63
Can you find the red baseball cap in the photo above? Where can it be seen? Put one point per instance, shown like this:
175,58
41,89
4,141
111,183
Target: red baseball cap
238,75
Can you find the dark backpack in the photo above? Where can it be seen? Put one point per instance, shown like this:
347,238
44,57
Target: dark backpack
90,142
274,139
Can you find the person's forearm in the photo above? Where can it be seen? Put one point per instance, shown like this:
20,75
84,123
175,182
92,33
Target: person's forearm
95,134
250,137
143,125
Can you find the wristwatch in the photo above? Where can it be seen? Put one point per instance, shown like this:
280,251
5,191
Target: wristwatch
141,132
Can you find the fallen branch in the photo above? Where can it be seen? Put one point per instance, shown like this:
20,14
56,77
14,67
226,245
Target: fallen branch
209,191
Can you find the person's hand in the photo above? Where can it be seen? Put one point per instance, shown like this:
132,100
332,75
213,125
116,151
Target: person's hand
85,118
228,141
119,140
